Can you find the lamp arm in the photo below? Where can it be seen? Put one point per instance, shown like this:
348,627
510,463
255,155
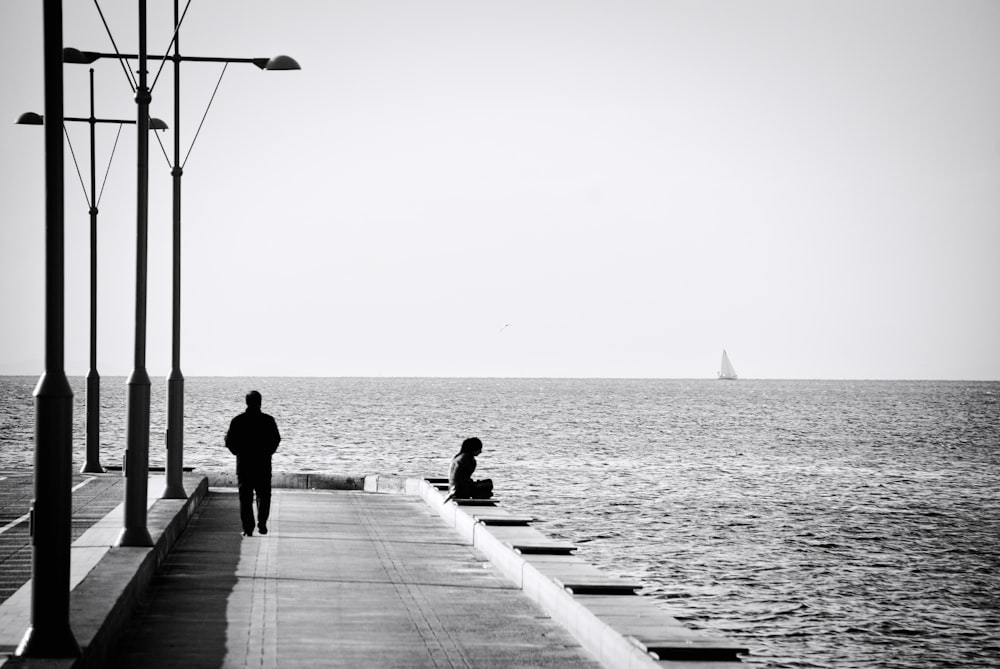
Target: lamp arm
76,56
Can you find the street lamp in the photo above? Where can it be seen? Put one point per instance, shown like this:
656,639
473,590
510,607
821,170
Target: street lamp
174,488
280,62
93,461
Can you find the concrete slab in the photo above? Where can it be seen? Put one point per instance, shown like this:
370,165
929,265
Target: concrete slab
85,553
106,582
343,579
508,519
603,612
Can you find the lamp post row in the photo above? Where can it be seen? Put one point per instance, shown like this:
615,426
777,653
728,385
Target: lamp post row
135,488
92,463
49,633
175,423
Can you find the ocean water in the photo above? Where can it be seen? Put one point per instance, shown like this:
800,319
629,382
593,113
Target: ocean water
823,523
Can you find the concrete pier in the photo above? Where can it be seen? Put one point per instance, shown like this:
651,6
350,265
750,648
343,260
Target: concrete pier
352,578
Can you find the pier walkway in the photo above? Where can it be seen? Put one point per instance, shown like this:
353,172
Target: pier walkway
344,578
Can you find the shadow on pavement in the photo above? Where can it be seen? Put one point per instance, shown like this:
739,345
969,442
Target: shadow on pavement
174,627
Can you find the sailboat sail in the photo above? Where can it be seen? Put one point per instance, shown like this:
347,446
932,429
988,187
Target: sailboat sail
727,368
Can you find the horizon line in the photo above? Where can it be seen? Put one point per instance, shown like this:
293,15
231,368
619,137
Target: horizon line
526,378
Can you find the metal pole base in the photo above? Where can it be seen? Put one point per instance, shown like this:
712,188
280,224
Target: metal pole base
46,642
49,634
175,437
136,464
174,492
134,536
93,464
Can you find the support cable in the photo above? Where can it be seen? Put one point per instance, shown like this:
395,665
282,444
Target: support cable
110,158
204,115
163,149
173,38
107,29
86,197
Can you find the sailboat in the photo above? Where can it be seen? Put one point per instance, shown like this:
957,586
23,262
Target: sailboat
727,373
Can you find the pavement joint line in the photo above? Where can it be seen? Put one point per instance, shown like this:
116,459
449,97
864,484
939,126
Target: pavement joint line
17,521
354,581
14,523
262,630
256,645
83,483
442,651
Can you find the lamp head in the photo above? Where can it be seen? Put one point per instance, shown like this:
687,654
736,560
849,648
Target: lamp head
277,63
30,118
156,124
77,57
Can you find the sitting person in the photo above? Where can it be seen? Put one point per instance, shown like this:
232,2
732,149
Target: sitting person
460,483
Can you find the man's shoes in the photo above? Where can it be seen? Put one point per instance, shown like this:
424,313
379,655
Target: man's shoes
263,528
248,533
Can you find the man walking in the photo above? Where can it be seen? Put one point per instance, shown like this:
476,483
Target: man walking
253,438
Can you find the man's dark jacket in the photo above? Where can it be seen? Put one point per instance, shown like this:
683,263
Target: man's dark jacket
253,438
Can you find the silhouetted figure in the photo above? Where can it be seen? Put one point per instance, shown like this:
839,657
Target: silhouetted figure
253,438
460,483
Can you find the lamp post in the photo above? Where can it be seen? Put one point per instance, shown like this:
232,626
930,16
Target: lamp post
136,464
93,461
175,384
49,633
174,488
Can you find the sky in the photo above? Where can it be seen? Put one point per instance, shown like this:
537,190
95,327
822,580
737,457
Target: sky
529,189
